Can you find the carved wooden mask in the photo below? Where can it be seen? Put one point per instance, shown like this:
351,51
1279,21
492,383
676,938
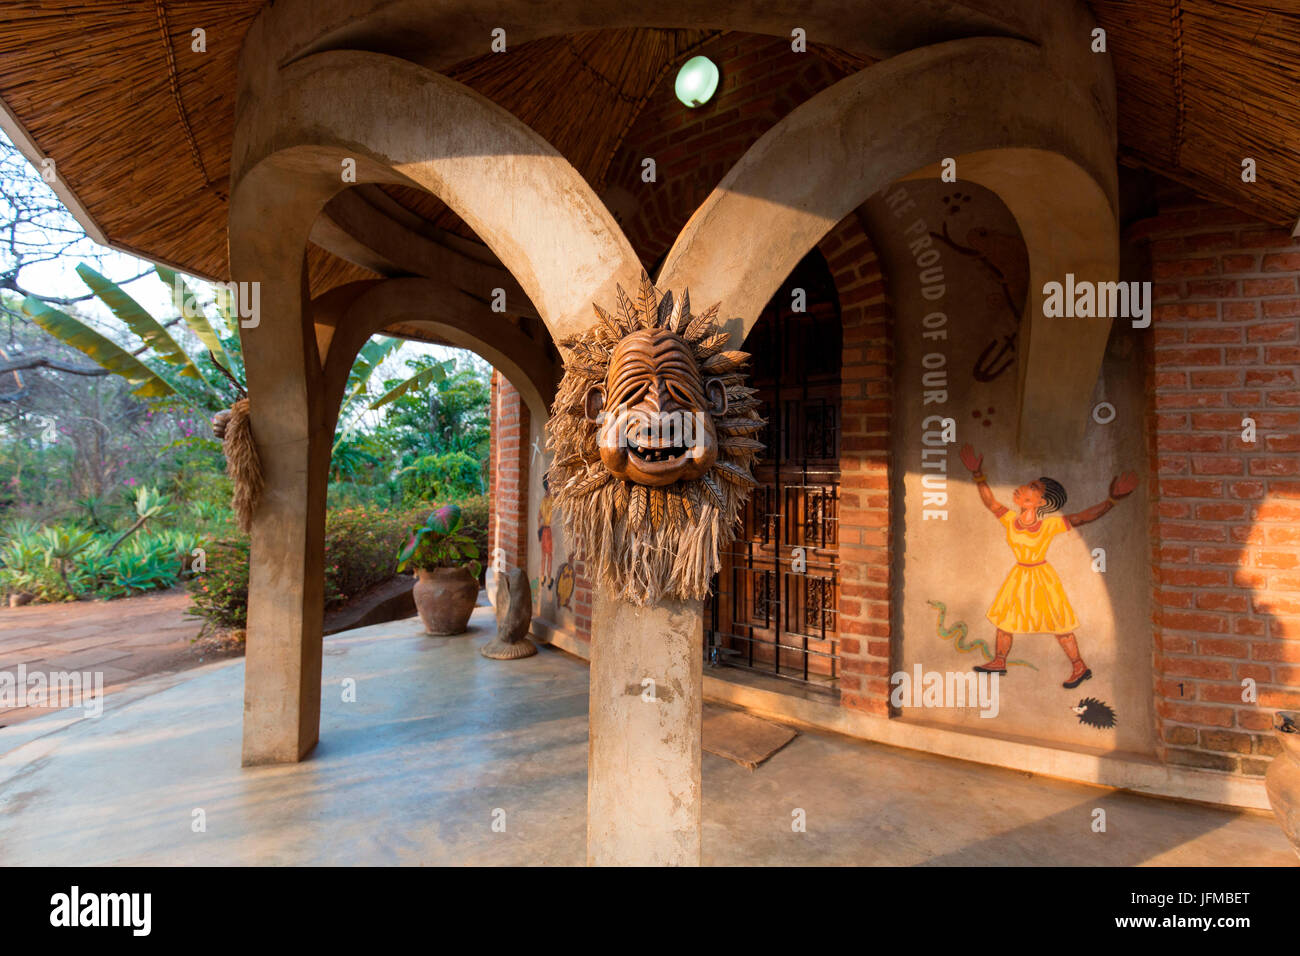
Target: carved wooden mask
653,433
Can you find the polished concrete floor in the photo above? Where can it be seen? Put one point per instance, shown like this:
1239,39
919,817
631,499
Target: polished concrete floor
440,743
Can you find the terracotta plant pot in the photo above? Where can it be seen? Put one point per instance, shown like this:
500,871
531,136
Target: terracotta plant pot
445,598
1283,778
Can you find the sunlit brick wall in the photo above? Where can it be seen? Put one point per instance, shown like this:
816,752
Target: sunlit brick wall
866,396
508,516
1226,518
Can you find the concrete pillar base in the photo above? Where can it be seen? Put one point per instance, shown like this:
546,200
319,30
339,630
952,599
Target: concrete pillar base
643,767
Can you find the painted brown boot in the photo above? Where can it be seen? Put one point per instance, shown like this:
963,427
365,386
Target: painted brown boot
1078,675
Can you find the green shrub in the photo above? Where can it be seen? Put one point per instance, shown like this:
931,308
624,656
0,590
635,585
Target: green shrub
220,593
360,551
446,477
142,564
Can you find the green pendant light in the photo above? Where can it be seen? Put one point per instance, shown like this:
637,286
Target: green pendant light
697,81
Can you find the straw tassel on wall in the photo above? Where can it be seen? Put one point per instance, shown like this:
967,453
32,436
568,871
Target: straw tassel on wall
235,429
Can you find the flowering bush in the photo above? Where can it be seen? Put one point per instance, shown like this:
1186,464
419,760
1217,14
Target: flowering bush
359,548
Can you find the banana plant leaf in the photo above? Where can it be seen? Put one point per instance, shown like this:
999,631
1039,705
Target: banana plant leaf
421,379
97,348
138,321
187,304
225,302
368,359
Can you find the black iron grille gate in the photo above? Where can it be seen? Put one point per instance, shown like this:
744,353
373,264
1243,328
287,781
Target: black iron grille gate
775,603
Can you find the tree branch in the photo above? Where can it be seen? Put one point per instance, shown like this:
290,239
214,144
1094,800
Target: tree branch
44,361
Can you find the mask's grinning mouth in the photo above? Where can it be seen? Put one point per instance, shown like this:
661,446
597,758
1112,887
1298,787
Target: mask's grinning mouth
670,453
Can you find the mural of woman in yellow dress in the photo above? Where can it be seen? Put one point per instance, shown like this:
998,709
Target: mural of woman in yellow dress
1032,599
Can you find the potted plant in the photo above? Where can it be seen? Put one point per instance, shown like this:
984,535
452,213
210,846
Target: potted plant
446,567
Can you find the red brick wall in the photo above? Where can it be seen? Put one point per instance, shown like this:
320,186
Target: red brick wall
1225,344
509,479
865,537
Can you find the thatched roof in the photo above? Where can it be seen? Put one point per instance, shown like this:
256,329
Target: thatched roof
140,127
1204,84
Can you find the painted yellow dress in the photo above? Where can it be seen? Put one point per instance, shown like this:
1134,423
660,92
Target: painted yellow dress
1032,599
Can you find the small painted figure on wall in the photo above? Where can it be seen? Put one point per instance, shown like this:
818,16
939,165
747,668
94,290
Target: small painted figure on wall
545,511
1032,599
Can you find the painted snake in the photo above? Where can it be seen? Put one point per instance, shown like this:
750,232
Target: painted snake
958,634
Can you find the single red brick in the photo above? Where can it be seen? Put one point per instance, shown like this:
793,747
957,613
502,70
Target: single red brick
1177,531
1214,379
1174,643
1183,268
1185,356
1260,376
1194,667
1274,466
1231,556
1193,577
1238,311
1279,285
1215,601
1221,512
1216,465
1195,714
1242,356
1279,308
1254,720
1273,332
1182,621
1249,627
1191,488
1284,628
1222,647
1281,262
1239,263
1212,288
1185,442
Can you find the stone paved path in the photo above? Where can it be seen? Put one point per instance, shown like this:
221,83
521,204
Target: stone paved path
124,639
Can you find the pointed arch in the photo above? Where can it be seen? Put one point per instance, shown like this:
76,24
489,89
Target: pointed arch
1011,123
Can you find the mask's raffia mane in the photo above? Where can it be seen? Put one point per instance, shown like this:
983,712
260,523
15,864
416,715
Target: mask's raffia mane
646,543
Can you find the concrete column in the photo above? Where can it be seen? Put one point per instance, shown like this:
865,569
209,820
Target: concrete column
282,672
643,765
286,601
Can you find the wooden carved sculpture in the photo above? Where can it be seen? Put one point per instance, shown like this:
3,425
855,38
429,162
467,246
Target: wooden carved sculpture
653,432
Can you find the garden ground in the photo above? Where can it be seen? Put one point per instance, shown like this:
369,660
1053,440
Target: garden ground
126,639
439,743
